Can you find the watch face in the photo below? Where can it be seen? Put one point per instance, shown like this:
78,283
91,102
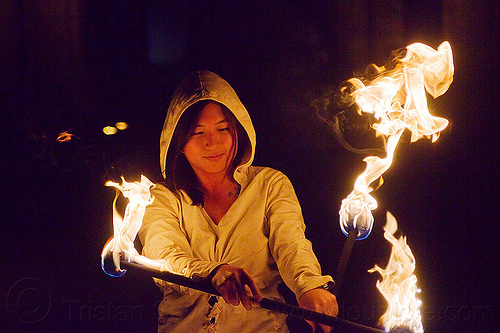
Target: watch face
329,285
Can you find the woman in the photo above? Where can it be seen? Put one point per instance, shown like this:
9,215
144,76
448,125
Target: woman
220,218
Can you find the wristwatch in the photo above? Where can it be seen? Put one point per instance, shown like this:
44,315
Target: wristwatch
329,286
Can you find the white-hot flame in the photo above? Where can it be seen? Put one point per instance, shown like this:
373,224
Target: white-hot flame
399,284
397,99
121,246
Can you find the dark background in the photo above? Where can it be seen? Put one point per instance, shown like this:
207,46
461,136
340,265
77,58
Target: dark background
80,65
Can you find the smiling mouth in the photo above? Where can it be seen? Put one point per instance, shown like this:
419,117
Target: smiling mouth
214,158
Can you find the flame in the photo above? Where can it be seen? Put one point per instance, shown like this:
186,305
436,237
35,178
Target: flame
126,228
64,136
399,284
397,99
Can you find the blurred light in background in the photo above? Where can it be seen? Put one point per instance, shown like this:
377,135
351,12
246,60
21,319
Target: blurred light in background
109,130
121,125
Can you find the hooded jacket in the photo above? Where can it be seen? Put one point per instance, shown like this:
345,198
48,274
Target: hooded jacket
262,232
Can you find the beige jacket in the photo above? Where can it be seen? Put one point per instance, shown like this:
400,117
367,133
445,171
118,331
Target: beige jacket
262,232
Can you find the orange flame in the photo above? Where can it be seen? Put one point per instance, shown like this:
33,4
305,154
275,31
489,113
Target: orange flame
397,98
64,136
399,284
126,228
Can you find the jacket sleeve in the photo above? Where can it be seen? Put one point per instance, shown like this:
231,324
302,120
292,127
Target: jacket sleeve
292,252
163,238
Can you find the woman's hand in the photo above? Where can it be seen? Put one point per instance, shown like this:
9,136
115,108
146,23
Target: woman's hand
236,285
320,300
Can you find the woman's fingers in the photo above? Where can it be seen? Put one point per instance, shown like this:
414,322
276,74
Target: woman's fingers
237,289
236,285
232,293
227,289
254,290
320,300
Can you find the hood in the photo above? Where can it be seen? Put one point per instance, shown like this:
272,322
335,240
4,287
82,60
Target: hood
206,85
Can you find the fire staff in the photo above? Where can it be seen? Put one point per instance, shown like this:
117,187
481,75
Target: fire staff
217,217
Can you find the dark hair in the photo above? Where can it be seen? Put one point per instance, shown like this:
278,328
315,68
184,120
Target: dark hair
179,173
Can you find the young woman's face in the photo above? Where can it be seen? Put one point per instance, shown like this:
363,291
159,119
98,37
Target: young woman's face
210,148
